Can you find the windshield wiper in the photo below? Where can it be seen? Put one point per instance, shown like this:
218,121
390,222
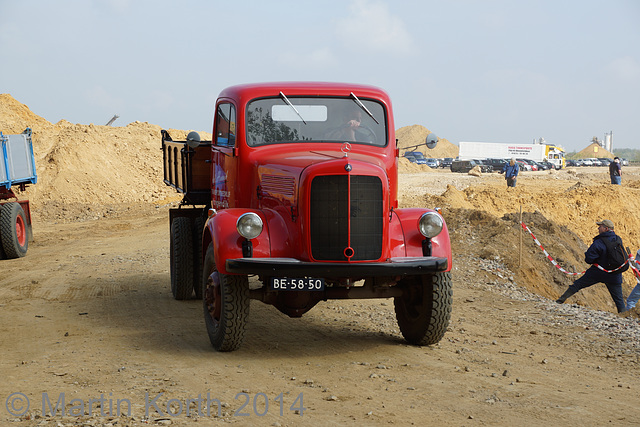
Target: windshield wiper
361,105
291,105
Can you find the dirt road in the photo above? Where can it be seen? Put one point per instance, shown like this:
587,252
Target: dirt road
91,335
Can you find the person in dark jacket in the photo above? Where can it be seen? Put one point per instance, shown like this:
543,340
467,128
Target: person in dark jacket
511,170
597,254
615,171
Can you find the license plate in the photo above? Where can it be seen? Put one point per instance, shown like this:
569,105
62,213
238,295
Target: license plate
296,284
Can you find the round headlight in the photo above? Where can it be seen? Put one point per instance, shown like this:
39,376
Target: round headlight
430,224
249,225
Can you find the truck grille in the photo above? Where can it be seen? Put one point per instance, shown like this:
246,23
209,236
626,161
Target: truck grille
341,220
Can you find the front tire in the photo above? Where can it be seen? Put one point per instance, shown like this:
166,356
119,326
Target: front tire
424,311
14,232
225,300
181,247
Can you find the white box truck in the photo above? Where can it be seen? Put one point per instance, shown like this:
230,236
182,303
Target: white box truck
501,150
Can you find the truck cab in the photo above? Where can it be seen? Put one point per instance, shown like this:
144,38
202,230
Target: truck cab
303,182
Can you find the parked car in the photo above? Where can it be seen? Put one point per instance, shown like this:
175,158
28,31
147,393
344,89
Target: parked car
605,161
549,165
463,165
485,166
446,162
542,166
497,164
416,157
524,166
432,163
624,162
531,166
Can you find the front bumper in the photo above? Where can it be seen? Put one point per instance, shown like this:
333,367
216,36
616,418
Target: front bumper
291,267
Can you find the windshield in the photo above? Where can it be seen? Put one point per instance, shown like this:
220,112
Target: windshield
286,119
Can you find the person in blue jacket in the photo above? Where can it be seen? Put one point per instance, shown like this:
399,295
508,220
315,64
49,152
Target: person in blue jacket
597,254
634,296
511,170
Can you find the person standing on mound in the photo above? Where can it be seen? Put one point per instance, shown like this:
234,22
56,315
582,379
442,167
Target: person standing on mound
511,170
615,171
597,254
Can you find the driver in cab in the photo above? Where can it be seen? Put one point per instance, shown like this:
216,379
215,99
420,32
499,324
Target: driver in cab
347,131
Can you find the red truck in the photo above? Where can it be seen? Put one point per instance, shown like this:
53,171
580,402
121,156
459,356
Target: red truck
298,189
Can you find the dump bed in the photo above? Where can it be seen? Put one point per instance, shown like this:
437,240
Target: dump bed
17,164
187,169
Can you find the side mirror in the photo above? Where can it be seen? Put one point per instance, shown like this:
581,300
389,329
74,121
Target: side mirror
431,141
193,139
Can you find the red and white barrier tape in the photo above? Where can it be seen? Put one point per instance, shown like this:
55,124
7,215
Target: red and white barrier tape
635,270
631,259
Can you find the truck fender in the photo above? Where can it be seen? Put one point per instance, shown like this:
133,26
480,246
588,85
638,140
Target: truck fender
407,239
227,243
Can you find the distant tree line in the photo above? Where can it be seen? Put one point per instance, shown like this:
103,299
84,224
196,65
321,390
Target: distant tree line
631,154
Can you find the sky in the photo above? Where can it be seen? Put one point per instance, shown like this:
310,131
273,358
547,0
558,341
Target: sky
468,70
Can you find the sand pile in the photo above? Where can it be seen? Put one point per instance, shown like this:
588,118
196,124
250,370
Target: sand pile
15,117
577,207
84,169
409,136
484,220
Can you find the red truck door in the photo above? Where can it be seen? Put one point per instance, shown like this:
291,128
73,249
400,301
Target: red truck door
224,162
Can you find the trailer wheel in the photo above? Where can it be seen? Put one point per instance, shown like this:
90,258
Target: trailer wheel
198,225
225,299
14,232
181,258
423,312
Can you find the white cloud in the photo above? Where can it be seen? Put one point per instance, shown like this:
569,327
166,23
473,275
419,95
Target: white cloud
626,69
371,26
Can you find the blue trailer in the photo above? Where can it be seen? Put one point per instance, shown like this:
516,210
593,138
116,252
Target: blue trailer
17,169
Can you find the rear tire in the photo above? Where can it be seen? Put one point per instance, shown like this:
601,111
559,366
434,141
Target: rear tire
181,258
198,225
225,304
14,230
423,313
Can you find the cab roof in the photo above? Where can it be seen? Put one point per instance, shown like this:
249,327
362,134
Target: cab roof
245,92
